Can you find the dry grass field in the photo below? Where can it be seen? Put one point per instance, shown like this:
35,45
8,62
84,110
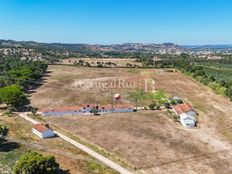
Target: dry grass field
151,141
60,89
145,139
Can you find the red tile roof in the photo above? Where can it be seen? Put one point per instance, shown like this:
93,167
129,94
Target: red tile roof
39,127
182,108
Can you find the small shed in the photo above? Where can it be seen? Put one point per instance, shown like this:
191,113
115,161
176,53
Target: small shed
187,120
42,131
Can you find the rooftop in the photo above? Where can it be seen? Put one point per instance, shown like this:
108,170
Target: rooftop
182,108
41,128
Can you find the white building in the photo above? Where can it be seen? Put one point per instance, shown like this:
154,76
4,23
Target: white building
187,120
42,131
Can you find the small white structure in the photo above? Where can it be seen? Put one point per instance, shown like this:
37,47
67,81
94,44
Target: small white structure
117,96
42,131
187,120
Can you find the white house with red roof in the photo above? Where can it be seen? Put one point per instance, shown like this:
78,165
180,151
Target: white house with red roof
42,131
186,113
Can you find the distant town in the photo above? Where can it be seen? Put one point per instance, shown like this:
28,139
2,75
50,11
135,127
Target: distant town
45,51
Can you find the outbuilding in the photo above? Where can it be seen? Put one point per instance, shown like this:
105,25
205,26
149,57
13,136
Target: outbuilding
42,131
187,120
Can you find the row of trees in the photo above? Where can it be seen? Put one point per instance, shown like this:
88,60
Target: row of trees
98,64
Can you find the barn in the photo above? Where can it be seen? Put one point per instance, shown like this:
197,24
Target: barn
42,131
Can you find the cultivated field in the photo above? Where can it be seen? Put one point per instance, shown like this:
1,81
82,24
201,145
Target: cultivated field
151,141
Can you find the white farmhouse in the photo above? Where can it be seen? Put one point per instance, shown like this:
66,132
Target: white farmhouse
42,131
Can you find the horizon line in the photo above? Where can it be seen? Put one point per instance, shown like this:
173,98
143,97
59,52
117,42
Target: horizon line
121,43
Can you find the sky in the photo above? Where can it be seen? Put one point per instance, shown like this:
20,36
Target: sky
185,22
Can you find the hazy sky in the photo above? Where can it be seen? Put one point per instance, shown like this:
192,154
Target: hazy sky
117,21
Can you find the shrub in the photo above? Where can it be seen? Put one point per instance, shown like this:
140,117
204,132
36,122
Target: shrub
152,106
158,107
13,96
33,162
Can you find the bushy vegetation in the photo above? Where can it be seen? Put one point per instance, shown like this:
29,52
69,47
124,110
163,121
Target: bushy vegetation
16,77
83,63
153,99
3,130
33,162
21,72
13,96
